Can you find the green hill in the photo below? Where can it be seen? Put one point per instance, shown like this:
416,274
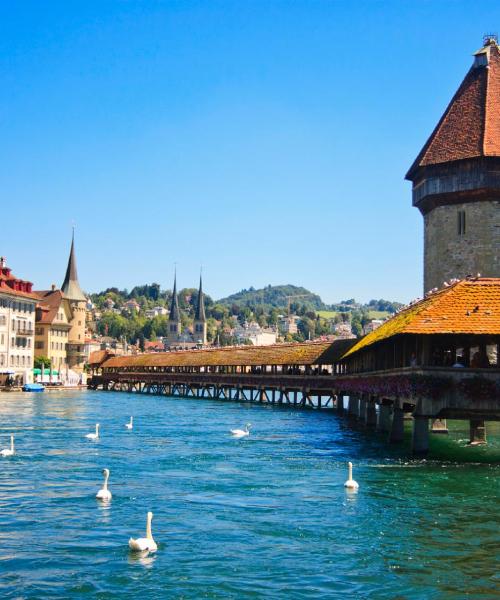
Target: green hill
274,296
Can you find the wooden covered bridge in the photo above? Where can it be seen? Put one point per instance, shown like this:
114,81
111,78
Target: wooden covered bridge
437,359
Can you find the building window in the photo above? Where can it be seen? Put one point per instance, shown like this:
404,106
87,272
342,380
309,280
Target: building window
39,345
461,222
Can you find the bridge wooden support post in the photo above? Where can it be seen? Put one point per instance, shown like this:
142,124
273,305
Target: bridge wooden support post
398,425
362,408
371,413
384,416
420,437
340,404
477,432
439,426
353,408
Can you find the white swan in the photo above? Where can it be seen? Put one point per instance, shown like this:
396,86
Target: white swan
145,543
94,436
350,483
238,433
131,424
9,451
104,493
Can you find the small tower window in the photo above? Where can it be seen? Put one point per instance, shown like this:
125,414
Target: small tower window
461,222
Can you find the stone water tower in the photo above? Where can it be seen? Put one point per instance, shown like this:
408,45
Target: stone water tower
456,178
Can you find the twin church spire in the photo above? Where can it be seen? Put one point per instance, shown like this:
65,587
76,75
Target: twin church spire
175,336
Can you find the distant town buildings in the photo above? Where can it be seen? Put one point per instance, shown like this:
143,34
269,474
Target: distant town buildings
343,330
252,332
157,311
288,324
17,327
372,325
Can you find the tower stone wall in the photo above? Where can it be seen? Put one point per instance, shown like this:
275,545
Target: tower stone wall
461,239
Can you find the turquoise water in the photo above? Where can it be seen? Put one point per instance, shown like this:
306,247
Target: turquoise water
261,517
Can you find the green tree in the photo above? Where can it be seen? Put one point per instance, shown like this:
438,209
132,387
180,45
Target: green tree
37,363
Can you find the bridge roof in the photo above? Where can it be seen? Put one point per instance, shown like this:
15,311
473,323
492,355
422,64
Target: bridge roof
467,307
308,353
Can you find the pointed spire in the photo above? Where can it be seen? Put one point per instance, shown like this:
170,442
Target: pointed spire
70,287
174,306
200,305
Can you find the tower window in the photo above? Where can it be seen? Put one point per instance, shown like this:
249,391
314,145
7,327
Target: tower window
461,222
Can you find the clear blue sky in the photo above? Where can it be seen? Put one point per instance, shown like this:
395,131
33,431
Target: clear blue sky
267,140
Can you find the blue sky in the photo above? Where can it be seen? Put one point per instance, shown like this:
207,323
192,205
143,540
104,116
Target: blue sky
267,140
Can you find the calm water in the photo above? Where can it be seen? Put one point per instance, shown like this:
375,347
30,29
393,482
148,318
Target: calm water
265,516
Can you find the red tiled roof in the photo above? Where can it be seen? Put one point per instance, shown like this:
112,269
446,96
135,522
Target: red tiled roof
470,126
470,306
10,284
99,356
49,303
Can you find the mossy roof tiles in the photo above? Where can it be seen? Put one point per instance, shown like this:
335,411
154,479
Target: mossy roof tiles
470,306
310,353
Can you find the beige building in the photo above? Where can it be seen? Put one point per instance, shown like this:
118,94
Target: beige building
17,327
53,318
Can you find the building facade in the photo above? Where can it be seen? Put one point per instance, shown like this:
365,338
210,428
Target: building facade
456,179
53,324
17,327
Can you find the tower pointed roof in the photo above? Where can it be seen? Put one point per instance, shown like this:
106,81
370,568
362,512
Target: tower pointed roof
470,125
174,306
200,305
70,287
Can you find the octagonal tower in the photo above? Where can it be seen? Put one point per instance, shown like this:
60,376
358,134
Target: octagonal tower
456,178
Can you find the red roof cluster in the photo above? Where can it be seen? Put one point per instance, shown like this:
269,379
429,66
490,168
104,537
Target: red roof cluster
13,285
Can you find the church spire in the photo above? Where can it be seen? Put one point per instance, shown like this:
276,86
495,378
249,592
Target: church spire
174,306
70,287
200,305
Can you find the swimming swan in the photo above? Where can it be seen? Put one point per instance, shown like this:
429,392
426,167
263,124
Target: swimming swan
94,436
9,451
145,543
238,433
350,483
131,424
104,493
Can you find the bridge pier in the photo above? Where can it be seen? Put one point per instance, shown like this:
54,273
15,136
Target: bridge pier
398,425
340,404
384,416
353,407
371,413
362,408
477,432
420,437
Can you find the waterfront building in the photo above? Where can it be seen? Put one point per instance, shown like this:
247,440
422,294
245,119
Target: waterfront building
17,326
78,303
53,324
456,178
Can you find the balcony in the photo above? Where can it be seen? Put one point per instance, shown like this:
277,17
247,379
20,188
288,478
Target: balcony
26,332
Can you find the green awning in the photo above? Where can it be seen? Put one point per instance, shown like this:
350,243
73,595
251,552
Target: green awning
45,371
